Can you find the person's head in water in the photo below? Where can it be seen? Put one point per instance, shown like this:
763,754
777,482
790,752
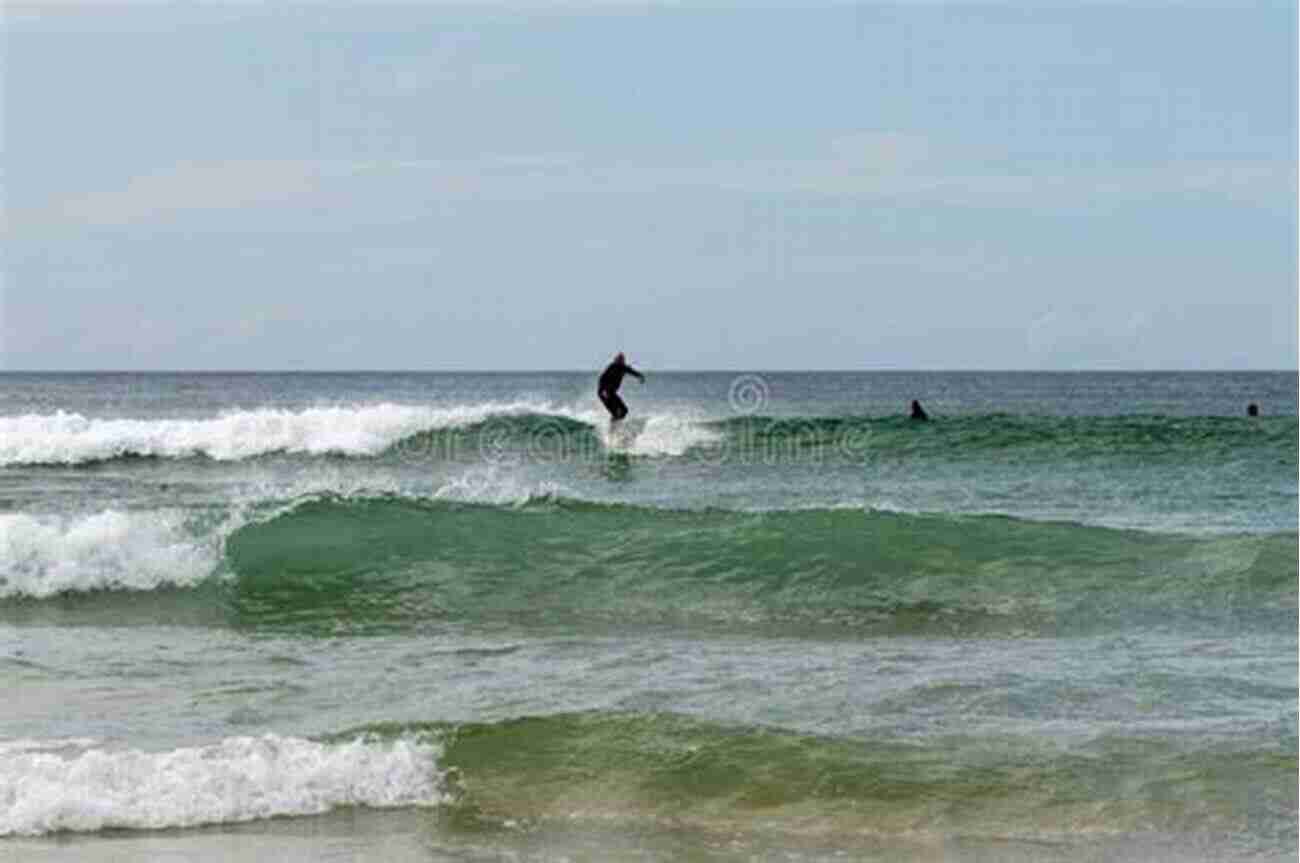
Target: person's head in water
1252,410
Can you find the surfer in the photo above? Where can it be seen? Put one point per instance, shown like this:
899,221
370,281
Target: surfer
1252,410
610,380
918,412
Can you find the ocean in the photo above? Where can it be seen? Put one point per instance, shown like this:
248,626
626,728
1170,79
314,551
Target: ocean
457,617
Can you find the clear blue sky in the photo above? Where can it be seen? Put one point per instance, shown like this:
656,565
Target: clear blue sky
516,185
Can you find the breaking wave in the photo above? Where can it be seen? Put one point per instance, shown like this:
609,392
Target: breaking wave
486,430
325,563
634,770
41,556
56,787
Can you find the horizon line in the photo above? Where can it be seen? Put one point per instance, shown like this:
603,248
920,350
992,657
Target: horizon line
594,369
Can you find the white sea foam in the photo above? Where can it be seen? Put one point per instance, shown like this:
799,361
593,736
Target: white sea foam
671,435
237,779
44,555
365,430
70,438
662,434
493,485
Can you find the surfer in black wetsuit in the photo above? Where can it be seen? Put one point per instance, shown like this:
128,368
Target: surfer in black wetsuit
918,412
610,380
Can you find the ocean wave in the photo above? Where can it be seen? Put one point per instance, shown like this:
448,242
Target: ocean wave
634,770
490,430
77,788
640,768
487,549
69,438
386,562
45,555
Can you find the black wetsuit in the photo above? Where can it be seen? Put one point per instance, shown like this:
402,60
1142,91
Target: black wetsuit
607,390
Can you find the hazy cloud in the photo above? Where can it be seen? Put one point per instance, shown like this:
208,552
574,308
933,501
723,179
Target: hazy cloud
814,185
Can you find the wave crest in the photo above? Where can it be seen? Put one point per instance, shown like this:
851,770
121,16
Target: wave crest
380,563
496,431
237,779
481,549
41,556
70,438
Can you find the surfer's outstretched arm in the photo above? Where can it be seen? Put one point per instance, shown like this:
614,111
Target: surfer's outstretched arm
634,373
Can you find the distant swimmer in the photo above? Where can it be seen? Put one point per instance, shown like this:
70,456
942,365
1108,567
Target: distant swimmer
1252,410
610,380
918,412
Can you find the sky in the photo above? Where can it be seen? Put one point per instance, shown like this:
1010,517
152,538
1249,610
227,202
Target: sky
521,184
